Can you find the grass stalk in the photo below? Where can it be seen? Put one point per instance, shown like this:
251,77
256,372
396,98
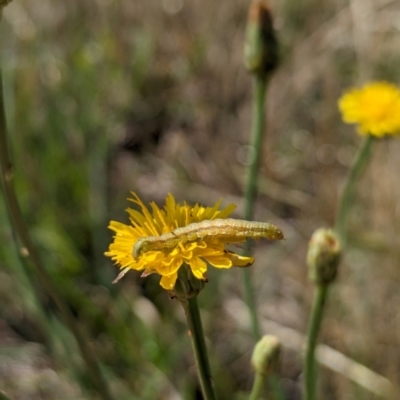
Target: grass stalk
29,248
199,346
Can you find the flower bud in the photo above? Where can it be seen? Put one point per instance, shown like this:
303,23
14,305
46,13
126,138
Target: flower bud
261,47
323,256
266,354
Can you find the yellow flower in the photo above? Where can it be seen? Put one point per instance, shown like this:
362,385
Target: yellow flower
166,262
375,108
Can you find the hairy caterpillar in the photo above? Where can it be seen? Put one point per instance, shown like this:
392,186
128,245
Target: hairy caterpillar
227,230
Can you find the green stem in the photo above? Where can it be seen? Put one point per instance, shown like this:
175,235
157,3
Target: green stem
29,248
257,387
257,134
354,173
199,346
272,382
310,378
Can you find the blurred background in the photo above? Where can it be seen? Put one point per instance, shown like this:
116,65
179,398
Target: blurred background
104,97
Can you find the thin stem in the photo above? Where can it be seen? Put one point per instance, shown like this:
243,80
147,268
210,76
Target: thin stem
354,173
199,346
257,387
257,133
310,378
29,248
271,381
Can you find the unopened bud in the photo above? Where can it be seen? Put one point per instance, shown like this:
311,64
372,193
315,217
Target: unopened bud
261,47
323,256
266,355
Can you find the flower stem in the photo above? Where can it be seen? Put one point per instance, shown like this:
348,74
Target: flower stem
271,382
28,246
199,346
310,378
257,387
257,133
354,173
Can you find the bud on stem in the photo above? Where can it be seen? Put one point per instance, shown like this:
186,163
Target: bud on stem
266,353
261,47
323,256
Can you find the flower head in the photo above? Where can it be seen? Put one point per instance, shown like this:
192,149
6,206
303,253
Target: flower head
166,259
375,108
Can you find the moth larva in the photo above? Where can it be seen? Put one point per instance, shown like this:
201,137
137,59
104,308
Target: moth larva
226,230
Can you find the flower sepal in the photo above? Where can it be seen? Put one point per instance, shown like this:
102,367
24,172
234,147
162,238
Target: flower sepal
187,285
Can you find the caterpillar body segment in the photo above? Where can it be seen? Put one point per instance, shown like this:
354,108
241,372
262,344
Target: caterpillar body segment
227,230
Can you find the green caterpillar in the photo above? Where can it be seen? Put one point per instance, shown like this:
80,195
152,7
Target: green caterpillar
227,230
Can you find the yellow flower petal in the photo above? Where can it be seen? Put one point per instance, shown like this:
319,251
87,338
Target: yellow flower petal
167,261
199,267
169,267
240,261
375,108
220,261
168,282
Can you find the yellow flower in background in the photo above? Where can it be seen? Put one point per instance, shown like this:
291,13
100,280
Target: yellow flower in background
166,262
375,108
